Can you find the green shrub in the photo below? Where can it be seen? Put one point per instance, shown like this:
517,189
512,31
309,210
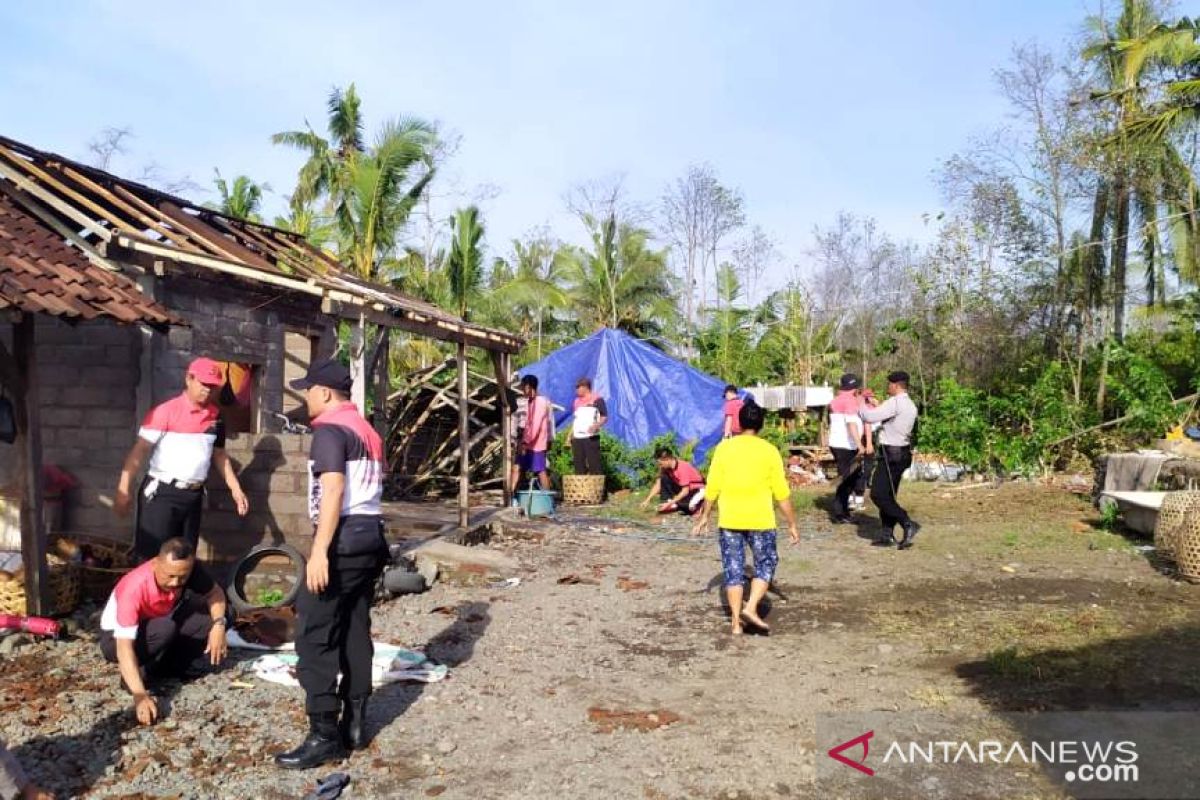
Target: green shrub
624,467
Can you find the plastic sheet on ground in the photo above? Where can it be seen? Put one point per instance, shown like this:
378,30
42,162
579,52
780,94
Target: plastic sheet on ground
391,664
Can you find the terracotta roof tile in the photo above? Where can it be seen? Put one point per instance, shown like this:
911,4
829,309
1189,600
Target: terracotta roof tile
39,272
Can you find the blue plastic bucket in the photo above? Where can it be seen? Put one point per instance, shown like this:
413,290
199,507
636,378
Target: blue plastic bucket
536,502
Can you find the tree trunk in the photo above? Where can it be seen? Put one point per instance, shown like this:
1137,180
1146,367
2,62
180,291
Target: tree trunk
1119,254
1095,265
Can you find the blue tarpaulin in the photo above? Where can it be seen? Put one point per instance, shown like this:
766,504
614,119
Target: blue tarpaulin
648,393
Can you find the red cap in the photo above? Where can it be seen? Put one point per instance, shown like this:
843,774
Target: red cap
206,371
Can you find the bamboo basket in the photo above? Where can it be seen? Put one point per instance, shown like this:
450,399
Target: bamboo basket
97,582
1177,508
583,490
1187,543
64,589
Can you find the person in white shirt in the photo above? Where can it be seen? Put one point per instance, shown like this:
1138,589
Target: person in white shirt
845,442
590,415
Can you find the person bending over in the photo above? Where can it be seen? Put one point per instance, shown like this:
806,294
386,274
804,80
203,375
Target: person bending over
679,487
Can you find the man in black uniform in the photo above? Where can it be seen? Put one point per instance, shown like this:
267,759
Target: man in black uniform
333,632
897,418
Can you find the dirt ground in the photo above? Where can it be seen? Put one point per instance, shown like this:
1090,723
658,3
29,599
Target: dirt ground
608,671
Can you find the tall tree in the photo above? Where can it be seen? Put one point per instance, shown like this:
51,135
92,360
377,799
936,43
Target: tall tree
1141,174
464,265
531,287
620,281
241,199
370,190
698,214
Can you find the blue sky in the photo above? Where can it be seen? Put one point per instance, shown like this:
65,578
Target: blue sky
808,107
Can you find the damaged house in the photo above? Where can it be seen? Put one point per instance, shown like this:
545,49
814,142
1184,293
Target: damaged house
112,287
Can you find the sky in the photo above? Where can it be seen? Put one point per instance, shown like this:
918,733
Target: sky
807,107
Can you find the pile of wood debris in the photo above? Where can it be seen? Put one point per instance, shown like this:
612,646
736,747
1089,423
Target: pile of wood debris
422,443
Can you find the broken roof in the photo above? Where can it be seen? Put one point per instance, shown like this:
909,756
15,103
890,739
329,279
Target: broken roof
131,222
41,273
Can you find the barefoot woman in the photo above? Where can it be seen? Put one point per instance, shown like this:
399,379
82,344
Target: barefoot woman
746,475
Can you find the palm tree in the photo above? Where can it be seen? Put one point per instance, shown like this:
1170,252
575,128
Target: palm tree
531,288
370,191
800,349
724,343
304,220
464,266
1142,174
241,199
620,282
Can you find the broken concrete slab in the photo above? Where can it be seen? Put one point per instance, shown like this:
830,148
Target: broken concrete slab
465,565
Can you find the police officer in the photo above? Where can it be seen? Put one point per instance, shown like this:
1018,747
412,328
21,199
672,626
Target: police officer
333,632
182,438
896,416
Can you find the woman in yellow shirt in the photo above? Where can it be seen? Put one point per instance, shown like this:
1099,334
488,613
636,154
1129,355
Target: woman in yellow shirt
745,477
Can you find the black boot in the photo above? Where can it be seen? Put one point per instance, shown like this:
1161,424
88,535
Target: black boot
321,746
911,529
886,538
353,725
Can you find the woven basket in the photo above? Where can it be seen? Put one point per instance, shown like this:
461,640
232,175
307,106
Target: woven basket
1186,543
97,582
1177,508
583,490
64,589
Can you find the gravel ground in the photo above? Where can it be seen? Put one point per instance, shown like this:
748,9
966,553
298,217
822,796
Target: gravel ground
619,681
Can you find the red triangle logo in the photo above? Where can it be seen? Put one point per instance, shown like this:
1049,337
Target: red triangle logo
864,740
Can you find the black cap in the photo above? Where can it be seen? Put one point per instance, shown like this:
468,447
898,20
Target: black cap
849,381
328,373
899,376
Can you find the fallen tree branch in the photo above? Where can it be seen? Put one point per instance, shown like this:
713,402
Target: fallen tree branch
1189,399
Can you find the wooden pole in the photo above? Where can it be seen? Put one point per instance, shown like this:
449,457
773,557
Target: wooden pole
29,427
358,363
500,362
464,442
383,382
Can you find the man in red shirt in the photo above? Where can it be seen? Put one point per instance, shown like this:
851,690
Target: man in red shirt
535,438
161,617
733,405
680,486
181,438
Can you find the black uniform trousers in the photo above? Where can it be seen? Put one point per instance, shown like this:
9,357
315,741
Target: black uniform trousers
864,475
848,468
168,646
585,453
890,464
333,632
170,512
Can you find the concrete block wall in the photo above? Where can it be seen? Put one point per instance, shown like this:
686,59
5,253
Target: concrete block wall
88,379
224,329
273,471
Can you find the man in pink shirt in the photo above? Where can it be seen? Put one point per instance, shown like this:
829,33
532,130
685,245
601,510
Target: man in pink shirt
181,439
161,618
733,405
846,445
535,440
680,485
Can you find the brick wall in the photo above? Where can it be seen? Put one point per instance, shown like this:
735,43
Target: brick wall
273,470
93,396
88,379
